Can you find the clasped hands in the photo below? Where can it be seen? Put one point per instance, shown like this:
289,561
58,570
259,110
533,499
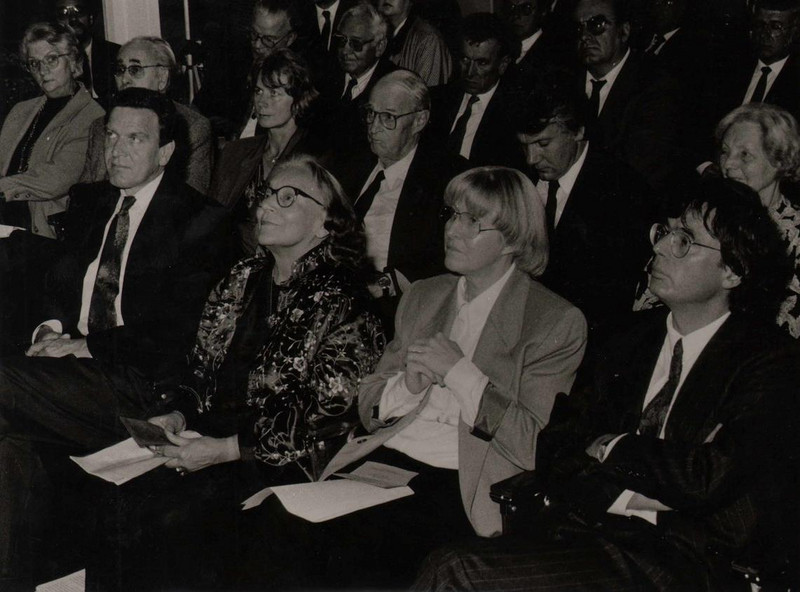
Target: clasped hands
52,344
191,454
428,361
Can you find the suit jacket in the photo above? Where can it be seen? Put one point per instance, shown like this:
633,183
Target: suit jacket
168,274
544,55
495,140
600,244
530,349
56,159
729,450
784,92
193,159
641,120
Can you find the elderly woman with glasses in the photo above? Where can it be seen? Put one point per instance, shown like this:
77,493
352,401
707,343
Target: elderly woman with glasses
271,385
43,140
283,99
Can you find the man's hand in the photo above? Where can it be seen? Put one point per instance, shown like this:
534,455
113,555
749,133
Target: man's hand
438,354
418,378
193,454
47,333
173,422
597,448
58,347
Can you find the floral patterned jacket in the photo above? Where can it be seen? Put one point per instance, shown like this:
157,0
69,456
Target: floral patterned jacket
322,342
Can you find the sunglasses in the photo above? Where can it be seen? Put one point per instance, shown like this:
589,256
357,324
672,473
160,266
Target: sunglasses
341,41
595,26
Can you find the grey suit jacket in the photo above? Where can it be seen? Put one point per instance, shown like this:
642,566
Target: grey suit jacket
530,349
56,159
193,160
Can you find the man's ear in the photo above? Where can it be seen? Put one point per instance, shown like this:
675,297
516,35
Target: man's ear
730,279
580,135
421,120
625,32
165,153
380,48
504,64
163,79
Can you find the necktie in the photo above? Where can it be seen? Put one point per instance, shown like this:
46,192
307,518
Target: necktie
655,413
365,200
550,208
593,110
86,76
348,92
460,129
655,44
102,312
761,86
325,34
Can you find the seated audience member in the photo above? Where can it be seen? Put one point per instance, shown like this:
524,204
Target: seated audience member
329,15
673,465
398,186
283,343
359,43
43,140
97,54
474,116
594,211
459,398
759,145
283,98
148,62
415,44
124,301
634,109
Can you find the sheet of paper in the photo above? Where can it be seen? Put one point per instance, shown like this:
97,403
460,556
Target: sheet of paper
6,230
256,499
74,582
380,475
123,461
325,500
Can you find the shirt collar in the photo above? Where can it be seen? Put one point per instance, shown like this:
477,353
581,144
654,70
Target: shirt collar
527,43
775,66
483,302
612,74
695,342
364,78
667,36
396,172
145,194
567,181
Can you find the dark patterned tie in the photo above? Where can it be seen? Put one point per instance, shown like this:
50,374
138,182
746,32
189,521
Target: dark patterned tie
761,86
593,107
365,200
460,129
325,34
102,312
348,92
550,208
655,413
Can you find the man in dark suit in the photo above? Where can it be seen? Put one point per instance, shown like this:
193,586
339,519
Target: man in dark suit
596,209
399,186
633,109
474,116
99,55
329,17
125,300
680,460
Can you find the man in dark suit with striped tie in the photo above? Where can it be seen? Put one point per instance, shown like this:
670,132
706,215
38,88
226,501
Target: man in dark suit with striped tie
678,462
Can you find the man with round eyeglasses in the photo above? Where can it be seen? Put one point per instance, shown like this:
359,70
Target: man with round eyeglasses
149,62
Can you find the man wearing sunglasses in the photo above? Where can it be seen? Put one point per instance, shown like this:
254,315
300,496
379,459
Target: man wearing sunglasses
676,465
98,54
634,109
148,62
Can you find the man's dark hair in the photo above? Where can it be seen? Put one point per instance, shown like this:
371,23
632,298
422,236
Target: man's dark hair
750,243
482,26
778,5
554,99
298,20
143,98
623,12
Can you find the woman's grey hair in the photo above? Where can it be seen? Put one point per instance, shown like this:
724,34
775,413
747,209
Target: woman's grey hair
52,33
510,199
377,22
779,135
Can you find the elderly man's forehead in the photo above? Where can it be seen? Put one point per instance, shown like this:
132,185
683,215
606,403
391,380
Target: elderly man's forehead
766,15
391,96
588,8
130,51
276,21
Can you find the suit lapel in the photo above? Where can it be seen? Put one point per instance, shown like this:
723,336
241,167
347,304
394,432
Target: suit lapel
617,99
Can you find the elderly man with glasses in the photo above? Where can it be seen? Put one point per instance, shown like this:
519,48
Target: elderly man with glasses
148,62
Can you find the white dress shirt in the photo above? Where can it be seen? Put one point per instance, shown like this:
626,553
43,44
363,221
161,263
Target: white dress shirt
380,216
610,79
776,69
321,20
475,117
527,43
565,185
361,81
432,437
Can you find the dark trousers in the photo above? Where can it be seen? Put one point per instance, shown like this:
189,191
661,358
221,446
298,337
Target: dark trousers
51,408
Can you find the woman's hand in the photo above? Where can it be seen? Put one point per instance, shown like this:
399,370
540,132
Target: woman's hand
193,454
418,378
438,354
173,422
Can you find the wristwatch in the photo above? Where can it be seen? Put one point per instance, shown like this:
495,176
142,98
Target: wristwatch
386,285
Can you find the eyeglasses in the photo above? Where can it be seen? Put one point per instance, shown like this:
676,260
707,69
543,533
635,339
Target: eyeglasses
524,9
680,241
71,11
267,41
470,225
595,26
340,41
387,120
773,28
285,195
50,61
135,70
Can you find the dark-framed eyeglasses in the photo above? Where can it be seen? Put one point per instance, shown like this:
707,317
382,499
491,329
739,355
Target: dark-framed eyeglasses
135,70
469,223
522,9
595,26
387,120
680,241
340,41
285,196
50,61
267,41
